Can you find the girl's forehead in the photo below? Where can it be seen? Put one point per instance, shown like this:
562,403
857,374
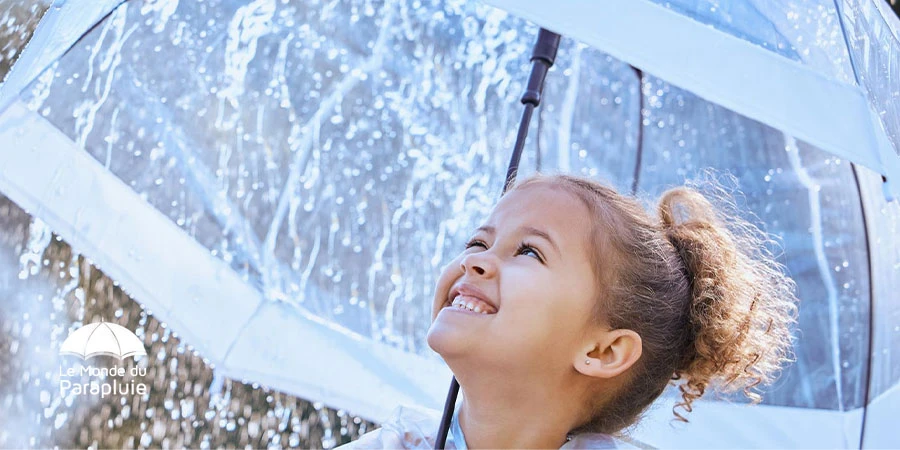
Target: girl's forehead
549,208
539,199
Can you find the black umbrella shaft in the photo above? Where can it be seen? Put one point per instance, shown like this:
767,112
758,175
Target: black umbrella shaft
542,58
448,414
520,145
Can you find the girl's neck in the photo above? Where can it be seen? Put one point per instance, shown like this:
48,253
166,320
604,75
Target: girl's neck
506,416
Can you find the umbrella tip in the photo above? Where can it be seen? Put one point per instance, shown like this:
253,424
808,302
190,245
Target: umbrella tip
888,189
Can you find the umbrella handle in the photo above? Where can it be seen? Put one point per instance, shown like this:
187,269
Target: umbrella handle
542,58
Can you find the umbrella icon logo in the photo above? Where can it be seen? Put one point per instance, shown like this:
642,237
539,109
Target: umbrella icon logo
102,338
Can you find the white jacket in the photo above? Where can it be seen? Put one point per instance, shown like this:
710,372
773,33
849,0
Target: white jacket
412,427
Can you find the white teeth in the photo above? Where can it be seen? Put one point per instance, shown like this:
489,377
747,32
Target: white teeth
471,305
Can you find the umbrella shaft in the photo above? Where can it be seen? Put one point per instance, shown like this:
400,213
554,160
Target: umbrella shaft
520,145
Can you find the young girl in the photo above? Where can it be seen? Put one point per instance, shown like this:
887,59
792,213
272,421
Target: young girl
571,309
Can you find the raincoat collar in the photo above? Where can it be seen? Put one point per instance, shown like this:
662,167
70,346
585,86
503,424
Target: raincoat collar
584,440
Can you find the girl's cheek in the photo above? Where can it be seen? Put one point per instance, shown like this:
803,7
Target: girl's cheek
449,273
453,269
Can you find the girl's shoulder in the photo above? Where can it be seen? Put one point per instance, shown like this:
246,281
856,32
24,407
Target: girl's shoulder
596,440
414,427
408,427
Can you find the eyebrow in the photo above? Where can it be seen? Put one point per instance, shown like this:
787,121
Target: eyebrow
528,231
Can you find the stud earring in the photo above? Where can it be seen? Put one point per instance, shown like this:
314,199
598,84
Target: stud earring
587,361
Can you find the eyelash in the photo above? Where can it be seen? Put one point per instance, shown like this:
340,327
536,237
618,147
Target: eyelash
523,246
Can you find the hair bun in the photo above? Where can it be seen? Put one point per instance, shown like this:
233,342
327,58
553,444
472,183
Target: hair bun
742,304
680,205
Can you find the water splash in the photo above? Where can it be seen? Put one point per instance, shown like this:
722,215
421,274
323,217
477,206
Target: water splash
251,22
31,259
86,112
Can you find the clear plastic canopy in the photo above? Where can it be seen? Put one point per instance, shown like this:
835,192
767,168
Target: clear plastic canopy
292,176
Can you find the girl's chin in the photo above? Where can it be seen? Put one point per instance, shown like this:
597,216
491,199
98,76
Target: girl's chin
446,338
438,340
454,334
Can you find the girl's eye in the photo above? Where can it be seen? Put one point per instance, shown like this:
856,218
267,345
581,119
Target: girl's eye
522,248
527,247
473,243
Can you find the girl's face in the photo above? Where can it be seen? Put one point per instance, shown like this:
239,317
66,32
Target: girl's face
529,263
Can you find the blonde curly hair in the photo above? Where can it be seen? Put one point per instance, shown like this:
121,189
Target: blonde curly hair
713,307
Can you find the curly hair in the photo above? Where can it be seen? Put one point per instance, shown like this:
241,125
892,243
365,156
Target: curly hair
713,307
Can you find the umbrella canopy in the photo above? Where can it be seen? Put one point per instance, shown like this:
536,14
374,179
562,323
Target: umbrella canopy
284,195
837,89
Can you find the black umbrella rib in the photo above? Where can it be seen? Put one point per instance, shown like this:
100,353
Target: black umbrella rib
867,379
640,131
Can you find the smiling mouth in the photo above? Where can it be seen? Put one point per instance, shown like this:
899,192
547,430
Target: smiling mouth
466,303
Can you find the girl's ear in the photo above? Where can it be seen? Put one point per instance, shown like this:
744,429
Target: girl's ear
611,355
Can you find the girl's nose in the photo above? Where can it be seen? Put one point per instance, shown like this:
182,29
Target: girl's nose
475,262
477,269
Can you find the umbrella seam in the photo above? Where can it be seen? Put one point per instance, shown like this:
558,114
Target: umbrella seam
116,338
88,339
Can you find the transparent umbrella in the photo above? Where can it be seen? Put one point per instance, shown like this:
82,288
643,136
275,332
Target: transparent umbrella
281,183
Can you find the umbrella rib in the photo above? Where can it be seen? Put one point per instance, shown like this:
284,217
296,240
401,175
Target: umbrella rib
840,21
635,181
867,380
